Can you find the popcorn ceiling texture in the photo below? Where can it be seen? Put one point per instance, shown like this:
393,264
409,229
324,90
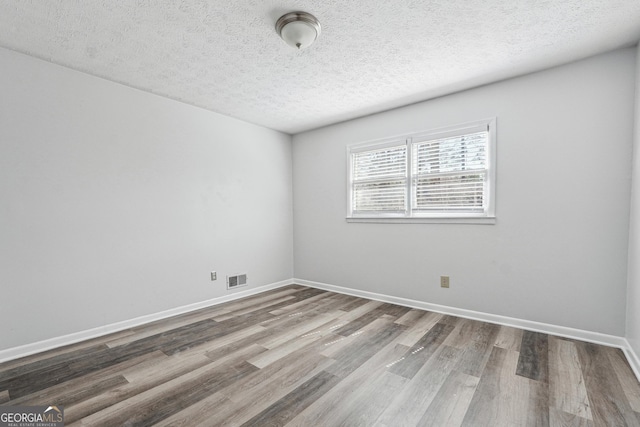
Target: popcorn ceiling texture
371,55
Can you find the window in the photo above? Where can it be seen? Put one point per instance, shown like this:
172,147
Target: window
445,175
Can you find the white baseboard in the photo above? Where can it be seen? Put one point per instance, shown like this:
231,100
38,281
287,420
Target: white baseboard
49,344
562,331
632,358
578,334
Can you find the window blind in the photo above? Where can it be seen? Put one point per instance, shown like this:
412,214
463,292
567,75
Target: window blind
441,175
380,180
449,174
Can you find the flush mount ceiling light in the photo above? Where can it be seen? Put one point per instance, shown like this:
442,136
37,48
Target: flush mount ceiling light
298,29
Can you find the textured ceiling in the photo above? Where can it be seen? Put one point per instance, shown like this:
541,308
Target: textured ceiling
371,56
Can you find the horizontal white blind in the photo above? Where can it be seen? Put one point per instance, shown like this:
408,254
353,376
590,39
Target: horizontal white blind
379,180
449,174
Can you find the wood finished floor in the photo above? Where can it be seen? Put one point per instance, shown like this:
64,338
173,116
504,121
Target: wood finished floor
298,356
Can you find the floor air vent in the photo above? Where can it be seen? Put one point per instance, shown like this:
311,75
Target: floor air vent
236,281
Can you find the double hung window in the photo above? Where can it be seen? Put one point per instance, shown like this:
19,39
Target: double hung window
445,175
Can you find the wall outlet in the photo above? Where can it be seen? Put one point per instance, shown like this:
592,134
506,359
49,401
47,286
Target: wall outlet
214,276
444,281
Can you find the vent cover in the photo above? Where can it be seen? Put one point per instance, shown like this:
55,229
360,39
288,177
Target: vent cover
236,281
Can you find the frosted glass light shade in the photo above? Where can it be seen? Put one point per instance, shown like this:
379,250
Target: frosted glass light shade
298,29
298,34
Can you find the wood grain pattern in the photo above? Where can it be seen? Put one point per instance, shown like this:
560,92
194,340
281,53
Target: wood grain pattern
411,403
626,377
567,387
349,390
608,402
477,349
509,338
558,418
299,356
450,404
421,326
492,392
286,408
415,357
533,361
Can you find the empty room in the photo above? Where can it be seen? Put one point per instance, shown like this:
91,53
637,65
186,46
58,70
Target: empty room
299,213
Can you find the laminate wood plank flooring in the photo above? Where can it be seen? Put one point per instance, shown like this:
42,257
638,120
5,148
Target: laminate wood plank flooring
299,356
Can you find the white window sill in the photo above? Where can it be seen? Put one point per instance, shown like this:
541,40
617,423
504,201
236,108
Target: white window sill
485,220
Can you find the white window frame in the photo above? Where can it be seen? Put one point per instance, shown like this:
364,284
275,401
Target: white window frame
486,216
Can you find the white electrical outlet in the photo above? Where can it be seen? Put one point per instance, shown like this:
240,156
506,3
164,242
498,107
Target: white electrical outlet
214,276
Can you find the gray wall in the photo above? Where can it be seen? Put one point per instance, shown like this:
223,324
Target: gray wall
558,252
633,296
116,203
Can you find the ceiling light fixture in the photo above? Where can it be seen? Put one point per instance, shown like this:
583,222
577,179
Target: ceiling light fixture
298,29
